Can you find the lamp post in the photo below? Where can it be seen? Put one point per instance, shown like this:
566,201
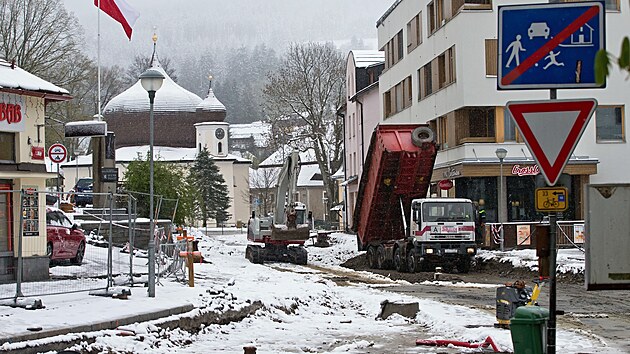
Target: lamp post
501,153
151,81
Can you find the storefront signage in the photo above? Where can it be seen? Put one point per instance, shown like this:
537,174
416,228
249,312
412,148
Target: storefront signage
37,152
445,184
11,113
532,170
451,172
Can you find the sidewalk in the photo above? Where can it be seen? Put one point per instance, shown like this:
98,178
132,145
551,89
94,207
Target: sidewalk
81,312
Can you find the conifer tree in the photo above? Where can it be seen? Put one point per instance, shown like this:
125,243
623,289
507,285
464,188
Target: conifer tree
213,199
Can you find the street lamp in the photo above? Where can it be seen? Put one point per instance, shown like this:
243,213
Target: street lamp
501,153
151,81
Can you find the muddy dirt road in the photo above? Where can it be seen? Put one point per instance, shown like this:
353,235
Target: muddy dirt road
601,314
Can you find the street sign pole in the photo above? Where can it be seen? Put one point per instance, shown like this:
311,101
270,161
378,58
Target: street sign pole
551,329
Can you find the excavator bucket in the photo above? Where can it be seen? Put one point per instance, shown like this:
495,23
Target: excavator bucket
283,233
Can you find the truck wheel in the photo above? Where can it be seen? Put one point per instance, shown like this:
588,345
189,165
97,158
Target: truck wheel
413,266
422,135
371,257
400,262
381,262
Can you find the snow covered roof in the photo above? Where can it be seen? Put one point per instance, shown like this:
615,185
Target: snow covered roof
365,58
162,153
211,103
310,176
169,98
258,130
278,157
17,78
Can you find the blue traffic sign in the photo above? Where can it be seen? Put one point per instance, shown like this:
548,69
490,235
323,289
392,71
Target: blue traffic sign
550,46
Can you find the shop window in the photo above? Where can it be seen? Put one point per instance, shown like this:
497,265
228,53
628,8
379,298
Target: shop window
491,57
482,191
609,124
7,147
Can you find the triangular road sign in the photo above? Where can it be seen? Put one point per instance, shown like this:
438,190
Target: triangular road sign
551,129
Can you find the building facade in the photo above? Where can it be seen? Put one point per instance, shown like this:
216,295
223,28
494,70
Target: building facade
441,69
362,114
23,100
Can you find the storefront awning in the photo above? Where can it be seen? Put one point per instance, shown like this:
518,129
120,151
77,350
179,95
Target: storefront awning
511,167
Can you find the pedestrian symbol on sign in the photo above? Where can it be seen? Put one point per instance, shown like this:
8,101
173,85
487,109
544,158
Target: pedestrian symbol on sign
550,45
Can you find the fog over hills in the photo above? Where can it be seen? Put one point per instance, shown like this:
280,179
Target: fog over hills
191,27
237,41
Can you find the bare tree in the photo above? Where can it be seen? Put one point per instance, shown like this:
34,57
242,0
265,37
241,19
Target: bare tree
141,63
305,92
262,188
39,35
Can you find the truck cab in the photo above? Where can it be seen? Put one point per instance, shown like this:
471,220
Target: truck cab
443,230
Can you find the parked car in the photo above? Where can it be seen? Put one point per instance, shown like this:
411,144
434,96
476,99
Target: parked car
66,241
83,192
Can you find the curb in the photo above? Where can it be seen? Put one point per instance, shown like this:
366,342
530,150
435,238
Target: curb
98,326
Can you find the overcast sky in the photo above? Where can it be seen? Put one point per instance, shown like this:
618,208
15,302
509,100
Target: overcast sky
192,26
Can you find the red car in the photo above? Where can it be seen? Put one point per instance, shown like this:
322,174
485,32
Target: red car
65,240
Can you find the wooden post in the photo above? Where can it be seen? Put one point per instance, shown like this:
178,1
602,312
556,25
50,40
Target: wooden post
190,263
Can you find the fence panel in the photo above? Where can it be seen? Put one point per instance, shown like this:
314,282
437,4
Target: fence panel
522,235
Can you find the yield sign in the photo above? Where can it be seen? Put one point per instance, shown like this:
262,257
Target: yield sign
551,129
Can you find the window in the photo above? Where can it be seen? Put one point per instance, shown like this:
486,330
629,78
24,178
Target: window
7,147
387,103
609,124
440,71
220,148
491,57
408,92
414,32
431,17
399,45
398,98
481,122
509,127
611,5
442,132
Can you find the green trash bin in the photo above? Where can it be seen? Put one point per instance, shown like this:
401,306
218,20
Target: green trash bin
529,330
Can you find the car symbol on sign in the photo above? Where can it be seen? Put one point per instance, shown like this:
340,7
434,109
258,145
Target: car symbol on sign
538,29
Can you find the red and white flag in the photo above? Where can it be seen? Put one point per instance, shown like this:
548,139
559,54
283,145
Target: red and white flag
120,11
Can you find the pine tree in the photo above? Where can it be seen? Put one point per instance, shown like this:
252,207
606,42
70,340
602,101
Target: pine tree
213,199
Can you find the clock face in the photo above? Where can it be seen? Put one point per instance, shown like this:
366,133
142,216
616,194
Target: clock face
219,133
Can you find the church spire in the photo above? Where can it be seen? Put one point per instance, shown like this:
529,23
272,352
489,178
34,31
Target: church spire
155,63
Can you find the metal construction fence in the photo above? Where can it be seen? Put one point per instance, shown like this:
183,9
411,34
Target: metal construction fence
78,249
522,235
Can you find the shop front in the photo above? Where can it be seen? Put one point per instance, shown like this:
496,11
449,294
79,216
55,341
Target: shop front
480,182
23,172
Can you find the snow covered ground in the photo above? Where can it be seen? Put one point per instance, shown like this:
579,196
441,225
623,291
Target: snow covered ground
305,310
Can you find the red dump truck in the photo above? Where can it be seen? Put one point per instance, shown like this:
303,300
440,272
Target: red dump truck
394,222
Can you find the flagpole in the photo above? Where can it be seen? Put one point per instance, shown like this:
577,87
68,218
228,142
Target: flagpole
98,60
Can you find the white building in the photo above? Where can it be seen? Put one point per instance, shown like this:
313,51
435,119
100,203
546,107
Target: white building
363,112
441,68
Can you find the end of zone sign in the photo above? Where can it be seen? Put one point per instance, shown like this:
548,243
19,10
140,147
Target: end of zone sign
550,46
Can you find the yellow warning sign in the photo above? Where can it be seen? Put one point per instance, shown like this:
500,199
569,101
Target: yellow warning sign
552,199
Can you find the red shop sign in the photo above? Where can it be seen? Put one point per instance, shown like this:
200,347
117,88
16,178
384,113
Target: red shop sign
445,184
532,170
37,152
